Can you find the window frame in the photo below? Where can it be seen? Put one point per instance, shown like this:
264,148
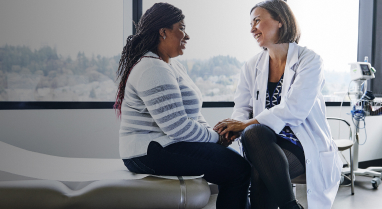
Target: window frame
370,44
136,14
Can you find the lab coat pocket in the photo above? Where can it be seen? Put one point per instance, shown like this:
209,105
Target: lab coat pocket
330,171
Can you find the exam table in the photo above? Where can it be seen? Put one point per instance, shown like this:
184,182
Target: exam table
34,180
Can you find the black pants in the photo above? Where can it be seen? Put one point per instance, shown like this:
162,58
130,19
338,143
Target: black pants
275,161
220,165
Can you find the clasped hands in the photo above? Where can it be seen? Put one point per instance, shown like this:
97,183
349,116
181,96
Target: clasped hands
228,130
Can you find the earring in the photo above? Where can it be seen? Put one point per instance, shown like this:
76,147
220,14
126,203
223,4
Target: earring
164,37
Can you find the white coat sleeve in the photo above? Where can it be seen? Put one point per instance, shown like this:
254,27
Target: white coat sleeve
242,97
295,107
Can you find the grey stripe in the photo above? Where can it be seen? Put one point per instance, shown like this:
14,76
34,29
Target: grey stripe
187,93
190,102
167,108
137,114
171,116
141,123
208,138
163,98
200,135
181,87
157,89
192,111
180,79
184,129
190,134
175,125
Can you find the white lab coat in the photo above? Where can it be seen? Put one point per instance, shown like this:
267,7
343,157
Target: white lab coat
302,108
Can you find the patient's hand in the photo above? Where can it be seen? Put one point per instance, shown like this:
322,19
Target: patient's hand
223,141
232,135
227,138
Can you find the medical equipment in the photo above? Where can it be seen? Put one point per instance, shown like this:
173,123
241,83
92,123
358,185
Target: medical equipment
363,105
361,71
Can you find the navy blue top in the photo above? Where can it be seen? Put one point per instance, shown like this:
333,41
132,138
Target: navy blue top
274,98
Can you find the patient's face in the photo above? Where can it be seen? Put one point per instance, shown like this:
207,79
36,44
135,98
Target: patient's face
176,39
264,28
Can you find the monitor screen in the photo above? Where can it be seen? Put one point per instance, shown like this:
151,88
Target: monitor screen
365,70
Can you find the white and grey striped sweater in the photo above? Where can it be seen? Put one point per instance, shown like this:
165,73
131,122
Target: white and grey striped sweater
161,104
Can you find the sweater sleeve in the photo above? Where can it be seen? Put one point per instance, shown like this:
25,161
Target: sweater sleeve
160,92
214,134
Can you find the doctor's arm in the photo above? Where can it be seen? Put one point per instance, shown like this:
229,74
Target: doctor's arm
243,107
299,100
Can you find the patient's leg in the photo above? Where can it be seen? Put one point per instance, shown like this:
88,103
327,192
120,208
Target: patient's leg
274,162
218,164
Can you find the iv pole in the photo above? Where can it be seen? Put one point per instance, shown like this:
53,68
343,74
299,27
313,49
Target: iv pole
370,171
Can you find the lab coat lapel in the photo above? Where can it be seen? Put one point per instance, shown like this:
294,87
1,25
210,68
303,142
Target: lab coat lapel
292,60
262,69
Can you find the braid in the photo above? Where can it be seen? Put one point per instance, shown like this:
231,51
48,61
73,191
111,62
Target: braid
160,15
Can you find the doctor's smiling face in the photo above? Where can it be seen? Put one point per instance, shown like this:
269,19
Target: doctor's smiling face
264,28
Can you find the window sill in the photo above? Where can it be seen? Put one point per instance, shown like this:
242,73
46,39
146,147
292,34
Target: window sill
104,105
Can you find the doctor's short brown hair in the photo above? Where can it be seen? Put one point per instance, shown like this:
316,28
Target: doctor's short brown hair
280,11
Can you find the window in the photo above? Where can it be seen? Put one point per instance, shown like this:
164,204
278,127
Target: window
53,50
330,28
221,42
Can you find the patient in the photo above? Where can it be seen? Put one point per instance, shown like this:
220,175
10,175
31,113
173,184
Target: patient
280,113
162,130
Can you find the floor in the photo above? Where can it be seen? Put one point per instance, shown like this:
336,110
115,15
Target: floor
365,196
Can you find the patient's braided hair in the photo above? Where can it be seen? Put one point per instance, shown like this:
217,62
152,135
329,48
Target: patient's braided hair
160,15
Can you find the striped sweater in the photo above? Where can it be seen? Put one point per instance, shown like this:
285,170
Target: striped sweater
161,104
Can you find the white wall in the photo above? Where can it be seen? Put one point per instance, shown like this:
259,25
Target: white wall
94,133
74,133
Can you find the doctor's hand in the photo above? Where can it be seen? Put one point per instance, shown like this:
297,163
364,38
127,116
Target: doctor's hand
230,125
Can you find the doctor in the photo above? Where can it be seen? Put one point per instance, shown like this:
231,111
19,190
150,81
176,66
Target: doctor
280,113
